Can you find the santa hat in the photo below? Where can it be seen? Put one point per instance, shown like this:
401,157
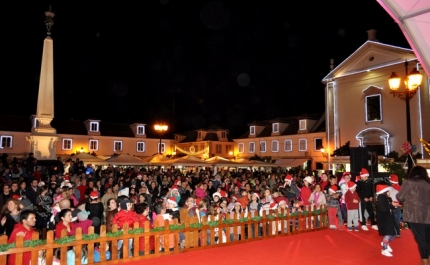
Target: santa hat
41,184
234,197
177,182
346,174
223,194
198,200
282,200
333,188
351,184
94,195
66,178
309,179
174,187
172,200
238,203
394,179
288,177
381,188
139,176
364,172
273,206
216,194
357,178
256,194
16,196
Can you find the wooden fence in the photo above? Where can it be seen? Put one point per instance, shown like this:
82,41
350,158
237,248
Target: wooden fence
197,236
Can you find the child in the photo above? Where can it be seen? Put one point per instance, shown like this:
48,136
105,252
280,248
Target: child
352,201
83,222
333,206
386,220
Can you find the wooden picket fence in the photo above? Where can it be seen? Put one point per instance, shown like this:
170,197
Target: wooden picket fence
197,236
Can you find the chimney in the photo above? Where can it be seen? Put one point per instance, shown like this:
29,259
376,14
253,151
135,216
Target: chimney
371,35
331,64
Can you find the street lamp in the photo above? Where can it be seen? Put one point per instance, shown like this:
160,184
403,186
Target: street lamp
161,129
412,82
323,153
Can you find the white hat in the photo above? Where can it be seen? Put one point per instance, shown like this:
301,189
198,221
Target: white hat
309,179
124,191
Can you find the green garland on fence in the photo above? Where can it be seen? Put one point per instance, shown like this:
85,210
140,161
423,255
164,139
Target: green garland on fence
177,227
90,237
228,221
157,229
282,215
114,234
244,219
305,212
6,247
64,240
257,218
270,217
136,231
295,214
213,223
196,225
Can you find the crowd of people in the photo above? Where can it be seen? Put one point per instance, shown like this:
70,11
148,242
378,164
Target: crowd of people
72,194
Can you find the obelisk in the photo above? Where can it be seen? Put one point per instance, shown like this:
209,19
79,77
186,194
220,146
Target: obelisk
43,137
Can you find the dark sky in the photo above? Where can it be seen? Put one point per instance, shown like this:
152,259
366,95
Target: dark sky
189,63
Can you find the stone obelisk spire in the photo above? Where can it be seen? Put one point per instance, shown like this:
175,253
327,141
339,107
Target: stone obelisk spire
43,137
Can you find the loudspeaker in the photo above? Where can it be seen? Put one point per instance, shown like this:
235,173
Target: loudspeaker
363,157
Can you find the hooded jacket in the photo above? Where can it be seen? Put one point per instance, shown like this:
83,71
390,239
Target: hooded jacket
26,257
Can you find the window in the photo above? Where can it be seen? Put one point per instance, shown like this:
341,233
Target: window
275,127
199,135
241,147
67,144
163,147
228,148
218,149
223,135
275,146
303,145
318,144
373,108
252,130
302,125
251,147
117,145
94,126
140,130
94,145
288,145
263,146
140,147
6,141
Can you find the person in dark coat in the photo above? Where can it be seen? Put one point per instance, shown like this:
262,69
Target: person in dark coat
386,220
415,197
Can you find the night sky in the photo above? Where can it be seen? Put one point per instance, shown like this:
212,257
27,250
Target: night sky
189,63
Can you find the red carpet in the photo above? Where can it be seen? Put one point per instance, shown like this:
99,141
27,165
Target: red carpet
324,247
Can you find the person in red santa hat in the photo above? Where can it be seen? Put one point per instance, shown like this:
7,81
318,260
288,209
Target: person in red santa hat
386,221
352,201
397,211
366,192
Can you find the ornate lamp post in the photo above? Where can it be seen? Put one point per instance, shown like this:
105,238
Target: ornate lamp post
412,82
160,129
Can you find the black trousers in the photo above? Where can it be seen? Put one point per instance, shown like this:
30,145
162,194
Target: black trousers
368,206
422,237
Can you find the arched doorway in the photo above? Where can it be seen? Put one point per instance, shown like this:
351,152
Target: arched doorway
375,138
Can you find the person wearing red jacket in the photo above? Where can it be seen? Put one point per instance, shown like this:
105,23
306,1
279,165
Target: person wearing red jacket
352,201
125,215
24,229
142,211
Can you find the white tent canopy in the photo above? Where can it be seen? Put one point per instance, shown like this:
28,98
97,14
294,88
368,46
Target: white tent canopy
126,160
413,18
87,159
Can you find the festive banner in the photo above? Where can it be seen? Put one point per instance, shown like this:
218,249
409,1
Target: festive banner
192,152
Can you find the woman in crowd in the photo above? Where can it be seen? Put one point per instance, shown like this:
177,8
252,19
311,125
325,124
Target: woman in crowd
415,197
112,210
65,223
9,216
43,210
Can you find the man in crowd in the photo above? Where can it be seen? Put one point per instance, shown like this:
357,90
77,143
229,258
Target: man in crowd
27,220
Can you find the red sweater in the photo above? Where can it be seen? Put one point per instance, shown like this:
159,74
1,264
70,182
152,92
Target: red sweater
349,197
26,257
60,227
